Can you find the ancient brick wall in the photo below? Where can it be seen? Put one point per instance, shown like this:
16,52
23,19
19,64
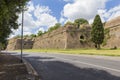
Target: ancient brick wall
63,38
114,27
55,39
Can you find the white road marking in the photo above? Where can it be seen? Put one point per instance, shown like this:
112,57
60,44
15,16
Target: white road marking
115,70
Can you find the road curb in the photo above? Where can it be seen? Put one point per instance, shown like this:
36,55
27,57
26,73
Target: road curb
30,69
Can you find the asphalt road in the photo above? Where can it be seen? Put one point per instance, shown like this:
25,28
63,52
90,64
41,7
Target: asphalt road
74,67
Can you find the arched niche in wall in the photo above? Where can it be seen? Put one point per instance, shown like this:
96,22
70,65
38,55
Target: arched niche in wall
82,38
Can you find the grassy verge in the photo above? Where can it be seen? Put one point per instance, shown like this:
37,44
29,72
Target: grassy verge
103,52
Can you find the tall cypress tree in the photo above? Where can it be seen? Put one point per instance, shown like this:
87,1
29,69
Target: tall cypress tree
97,32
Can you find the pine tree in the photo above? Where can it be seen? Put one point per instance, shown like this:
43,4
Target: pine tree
97,32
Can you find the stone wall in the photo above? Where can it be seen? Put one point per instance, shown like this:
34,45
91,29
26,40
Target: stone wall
69,37
55,39
63,38
114,28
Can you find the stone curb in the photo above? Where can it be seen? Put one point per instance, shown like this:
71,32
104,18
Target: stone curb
31,71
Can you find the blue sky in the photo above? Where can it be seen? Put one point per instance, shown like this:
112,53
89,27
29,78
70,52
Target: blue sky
43,14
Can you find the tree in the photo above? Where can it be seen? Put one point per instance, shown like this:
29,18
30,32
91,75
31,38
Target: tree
69,23
32,35
39,33
80,21
56,26
9,12
17,36
97,32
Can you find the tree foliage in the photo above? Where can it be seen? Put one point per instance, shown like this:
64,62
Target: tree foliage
97,32
80,21
9,11
69,23
39,33
56,26
32,35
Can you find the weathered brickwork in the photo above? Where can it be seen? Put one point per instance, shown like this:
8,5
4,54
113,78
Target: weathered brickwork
114,27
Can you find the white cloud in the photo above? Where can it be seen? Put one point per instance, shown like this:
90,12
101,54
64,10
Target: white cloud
34,19
109,14
40,29
46,20
88,9
39,17
68,0
82,8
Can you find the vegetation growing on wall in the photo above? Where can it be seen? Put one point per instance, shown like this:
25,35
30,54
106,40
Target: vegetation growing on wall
107,36
80,21
69,23
56,26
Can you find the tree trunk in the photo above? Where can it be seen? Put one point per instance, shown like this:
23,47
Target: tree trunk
98,46
0,47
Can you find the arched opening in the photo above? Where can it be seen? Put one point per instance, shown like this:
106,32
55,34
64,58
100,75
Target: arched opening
81,37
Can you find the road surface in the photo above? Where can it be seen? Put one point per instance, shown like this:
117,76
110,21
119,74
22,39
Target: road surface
74,67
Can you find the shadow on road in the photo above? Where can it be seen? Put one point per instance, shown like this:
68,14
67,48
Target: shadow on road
51,69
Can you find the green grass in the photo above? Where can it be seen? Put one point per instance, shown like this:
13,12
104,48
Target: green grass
103,52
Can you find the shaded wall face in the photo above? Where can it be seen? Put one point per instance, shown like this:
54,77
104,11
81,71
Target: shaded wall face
28,44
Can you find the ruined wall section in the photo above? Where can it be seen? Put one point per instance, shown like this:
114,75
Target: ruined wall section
79,38
55,39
